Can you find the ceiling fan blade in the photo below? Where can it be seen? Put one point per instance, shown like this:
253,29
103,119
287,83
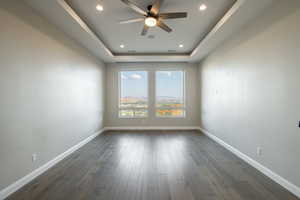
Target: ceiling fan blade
135,7
131,21
163,26
156,6
145,30
174,15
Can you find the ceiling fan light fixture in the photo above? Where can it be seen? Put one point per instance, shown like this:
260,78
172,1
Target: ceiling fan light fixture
150,21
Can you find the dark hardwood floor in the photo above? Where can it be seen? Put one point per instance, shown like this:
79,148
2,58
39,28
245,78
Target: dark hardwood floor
153,165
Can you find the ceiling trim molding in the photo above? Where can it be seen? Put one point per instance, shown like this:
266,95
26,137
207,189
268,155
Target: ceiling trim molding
83,25
236,6
150,57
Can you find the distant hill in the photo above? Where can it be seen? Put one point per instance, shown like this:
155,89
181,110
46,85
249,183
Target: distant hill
168,98
132,99
129,99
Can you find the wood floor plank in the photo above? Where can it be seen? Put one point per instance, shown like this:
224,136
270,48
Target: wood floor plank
152,165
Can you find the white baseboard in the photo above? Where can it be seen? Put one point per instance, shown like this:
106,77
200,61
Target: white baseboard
26,179
117,128
275,177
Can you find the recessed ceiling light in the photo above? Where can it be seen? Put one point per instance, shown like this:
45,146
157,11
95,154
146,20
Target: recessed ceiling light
99,7
122,46
181,46
202,7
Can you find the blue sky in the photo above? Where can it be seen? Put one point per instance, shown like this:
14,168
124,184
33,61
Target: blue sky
168,83
134,84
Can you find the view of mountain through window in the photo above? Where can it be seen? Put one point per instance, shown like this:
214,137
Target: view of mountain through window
170,94
133,93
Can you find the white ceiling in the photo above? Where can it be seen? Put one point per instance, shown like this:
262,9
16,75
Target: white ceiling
101,34
188,31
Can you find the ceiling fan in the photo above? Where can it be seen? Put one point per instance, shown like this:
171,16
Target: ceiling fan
152,17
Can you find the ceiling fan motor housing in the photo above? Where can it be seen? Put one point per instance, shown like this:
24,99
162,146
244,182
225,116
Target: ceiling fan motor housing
149,7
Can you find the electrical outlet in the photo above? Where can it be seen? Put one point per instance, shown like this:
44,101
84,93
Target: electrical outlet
259,151
34,157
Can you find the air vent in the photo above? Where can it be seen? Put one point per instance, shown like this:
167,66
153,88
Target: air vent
131,51
151,36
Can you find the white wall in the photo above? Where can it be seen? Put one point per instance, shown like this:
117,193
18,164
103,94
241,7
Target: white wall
51,92
192,111
250,90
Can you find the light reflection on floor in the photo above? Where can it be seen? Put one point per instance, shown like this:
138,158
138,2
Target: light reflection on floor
135,150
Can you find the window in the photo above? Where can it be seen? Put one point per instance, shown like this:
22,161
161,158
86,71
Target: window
170,101
133,94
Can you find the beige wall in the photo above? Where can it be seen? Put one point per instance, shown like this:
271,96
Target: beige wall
192,113
250,90
51,92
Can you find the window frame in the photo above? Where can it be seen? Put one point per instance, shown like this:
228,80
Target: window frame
184,94
119,95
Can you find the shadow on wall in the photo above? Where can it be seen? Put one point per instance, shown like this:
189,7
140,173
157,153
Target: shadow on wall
16,8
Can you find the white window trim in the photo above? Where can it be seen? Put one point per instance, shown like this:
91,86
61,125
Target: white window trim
184,94
131,108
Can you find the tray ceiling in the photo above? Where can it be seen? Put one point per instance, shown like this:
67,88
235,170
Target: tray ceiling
188,32
100,33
